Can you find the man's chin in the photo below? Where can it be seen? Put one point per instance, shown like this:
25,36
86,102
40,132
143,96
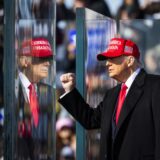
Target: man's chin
44,75
111,75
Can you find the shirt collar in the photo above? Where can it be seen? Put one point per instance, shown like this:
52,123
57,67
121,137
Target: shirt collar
130,80
24,80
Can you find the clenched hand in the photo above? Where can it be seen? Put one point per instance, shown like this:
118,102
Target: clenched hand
68,81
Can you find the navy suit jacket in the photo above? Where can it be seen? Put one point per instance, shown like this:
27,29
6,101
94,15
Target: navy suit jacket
33,141
137,135
45,99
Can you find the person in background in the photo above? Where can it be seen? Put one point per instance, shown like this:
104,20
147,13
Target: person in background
130,9
99,6
65,131
35,100
128,116
67,153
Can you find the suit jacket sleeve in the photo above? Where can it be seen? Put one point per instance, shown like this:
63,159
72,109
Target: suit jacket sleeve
89,118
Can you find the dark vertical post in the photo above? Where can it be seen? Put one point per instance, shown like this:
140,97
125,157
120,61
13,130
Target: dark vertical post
9,74
80,72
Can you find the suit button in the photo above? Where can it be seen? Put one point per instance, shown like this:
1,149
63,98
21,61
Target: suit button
105,156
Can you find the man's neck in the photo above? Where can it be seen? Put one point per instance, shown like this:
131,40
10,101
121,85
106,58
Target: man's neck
127,74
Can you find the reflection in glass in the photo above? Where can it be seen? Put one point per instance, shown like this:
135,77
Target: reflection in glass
32,133
35,9
34,90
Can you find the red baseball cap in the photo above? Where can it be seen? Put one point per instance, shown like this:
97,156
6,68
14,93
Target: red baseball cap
38,47
118,47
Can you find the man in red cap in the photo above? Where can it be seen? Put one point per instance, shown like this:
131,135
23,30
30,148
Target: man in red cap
129,115
34,58
35,99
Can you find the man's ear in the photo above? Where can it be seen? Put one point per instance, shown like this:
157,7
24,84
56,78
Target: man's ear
130,61
27,61
24,61
21,62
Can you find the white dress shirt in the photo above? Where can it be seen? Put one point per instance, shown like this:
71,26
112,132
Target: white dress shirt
130,80
25,84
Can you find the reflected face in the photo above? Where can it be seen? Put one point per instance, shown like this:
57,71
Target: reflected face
117,68
35,69
39,70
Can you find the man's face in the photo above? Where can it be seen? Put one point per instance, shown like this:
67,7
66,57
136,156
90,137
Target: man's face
39,68
117,68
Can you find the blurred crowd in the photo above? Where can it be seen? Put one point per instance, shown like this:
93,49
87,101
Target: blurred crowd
66,48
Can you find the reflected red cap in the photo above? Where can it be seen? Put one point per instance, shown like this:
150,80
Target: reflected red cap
38,47
118,47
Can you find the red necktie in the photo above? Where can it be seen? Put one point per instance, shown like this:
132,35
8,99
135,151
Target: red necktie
34,106
121,98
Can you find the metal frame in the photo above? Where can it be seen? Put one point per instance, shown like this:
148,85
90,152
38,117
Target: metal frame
9,65
80,71
83,15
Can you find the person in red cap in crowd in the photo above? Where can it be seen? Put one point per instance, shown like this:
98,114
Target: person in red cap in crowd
129,115
35,99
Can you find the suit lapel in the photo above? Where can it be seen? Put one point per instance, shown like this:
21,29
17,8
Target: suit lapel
108,113
110,110
132,98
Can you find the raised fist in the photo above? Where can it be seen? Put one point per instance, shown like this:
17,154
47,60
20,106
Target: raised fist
68,81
